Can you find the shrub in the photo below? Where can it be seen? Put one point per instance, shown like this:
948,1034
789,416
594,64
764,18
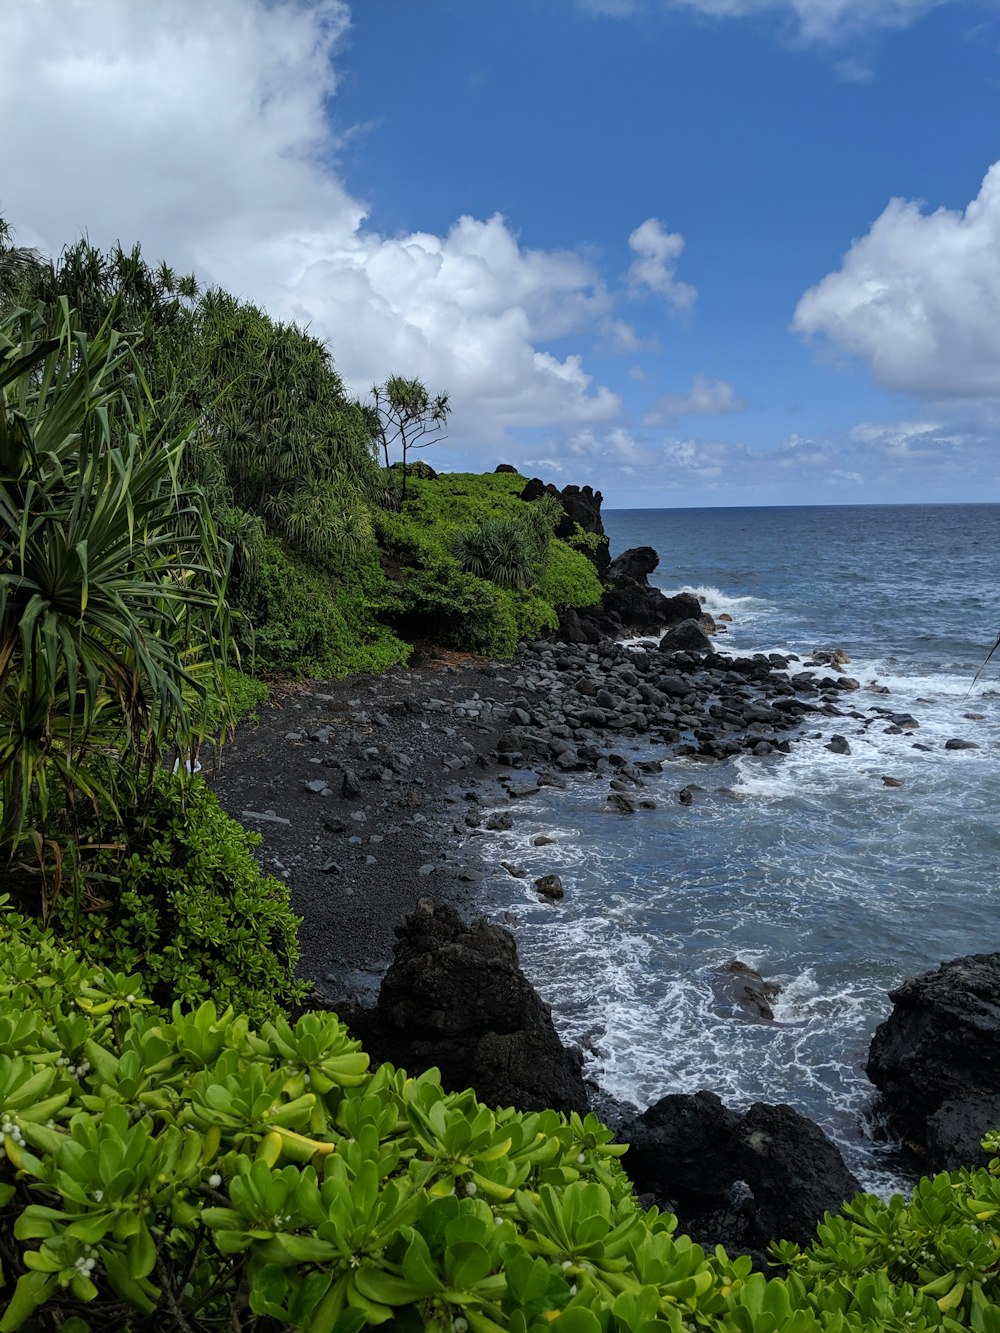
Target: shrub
191,909
186,1173
568,578
443,603
503,550
308,622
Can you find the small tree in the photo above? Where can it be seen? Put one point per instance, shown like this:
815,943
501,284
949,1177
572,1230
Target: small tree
408,417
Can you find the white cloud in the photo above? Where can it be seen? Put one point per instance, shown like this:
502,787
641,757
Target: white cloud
814,20
202,131
654,267
918,298
705,398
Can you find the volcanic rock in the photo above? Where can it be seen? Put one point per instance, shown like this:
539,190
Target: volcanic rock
936,1060
455,997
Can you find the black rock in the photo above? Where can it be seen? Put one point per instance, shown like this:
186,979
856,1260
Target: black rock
455,997
739,1180
936,1058
837,745
740,985
687,637
636,564
550,886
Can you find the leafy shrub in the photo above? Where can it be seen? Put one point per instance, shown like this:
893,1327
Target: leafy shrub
568,578
443,603
190,908
307,622
187,1173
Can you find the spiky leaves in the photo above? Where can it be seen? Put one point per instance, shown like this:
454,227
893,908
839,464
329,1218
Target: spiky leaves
112,618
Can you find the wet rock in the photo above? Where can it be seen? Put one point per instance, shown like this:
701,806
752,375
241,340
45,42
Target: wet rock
455,997
550,886
742,1180
837,745
957,743
686,637
940,1048
621,803
891,782
500,820
739,984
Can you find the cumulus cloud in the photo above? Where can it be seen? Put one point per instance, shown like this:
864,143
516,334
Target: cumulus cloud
825,21
654,268
203,131
918,298
705,398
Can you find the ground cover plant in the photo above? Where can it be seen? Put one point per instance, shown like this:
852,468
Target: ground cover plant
185,1171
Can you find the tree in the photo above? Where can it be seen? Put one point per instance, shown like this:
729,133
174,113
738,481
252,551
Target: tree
408,417
113,624
19,267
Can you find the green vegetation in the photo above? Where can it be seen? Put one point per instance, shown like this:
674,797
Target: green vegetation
112,621
188,494
185,1172
477,568
190,908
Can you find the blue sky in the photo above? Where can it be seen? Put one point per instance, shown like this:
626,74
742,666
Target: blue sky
694,252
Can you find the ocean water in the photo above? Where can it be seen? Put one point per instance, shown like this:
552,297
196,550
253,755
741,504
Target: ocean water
807,866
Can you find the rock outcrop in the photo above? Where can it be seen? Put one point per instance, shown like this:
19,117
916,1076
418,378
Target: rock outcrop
737,984
455,997
936,1061
581,511
740,1180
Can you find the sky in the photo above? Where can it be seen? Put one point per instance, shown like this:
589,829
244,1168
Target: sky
689,252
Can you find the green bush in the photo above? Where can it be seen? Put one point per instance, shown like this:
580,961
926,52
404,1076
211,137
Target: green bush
459,536
456,609
503,550
568,578
189,907
307,622
186,1173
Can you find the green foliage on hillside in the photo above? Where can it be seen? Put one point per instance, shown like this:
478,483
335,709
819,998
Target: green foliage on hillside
307,623
113,627
187,1173
478,568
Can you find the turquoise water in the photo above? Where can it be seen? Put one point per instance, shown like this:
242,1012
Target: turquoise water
807,866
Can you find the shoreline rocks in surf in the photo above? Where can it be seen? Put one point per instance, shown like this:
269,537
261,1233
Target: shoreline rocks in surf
455,997
740,1180
936,1061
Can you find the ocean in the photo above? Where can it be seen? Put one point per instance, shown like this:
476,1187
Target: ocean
808,867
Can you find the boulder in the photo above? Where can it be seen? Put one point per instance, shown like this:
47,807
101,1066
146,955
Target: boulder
551,887
687,637
455,997
936,1060
738,984
740,1180
636,564
683,606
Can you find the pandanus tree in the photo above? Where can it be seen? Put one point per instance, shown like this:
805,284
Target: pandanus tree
407,417
293,448
113,623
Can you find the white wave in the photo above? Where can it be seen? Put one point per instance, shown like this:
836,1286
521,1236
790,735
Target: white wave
717,602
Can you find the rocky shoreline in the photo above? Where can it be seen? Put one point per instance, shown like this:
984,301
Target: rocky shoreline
370,794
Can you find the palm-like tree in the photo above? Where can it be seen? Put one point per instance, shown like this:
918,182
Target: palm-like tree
19,268
112,618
